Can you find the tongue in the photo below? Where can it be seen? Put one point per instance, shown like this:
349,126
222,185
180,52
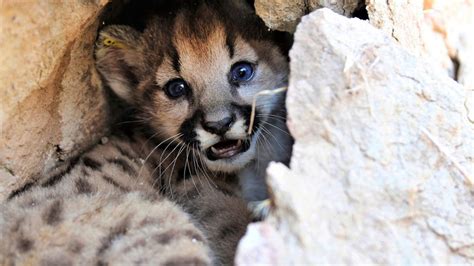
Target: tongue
225,144
226,149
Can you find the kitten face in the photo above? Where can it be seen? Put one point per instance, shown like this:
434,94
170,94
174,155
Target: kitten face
193,77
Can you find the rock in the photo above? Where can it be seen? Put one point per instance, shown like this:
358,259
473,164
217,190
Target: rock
51,100
438,29
448,25
262,246
401,19
284,15
383,161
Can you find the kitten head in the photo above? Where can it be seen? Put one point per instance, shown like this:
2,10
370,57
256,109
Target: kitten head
192,74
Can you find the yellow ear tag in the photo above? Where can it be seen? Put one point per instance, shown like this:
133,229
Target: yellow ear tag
112,43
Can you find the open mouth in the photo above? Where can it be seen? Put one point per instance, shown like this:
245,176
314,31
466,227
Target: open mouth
227,149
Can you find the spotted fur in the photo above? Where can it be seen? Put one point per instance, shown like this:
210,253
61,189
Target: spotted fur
99,212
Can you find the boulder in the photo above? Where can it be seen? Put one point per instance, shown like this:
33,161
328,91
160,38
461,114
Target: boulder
383,161
51,100
285,15
436,29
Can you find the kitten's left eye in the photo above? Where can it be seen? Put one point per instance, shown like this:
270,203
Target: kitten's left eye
241,72
176,88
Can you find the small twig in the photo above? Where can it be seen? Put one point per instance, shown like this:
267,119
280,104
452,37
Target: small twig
254,104
449,157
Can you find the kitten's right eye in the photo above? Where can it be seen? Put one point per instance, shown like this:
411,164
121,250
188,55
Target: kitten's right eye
176,88
241,72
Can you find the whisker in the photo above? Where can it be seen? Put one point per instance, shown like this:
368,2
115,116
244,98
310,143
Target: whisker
161,161
267,143
202,168
131,122
276,127
192,177
152,151
272,116
185,166
197,164
172,170
206,174
271,135
163,173
254,104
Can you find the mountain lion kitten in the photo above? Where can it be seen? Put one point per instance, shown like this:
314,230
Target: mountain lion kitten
169,187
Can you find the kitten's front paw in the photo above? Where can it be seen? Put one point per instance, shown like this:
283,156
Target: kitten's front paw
260,209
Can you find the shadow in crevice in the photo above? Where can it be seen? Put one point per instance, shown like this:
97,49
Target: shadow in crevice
361,12
132,13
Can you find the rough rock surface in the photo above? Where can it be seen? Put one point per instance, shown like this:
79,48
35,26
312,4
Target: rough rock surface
448,39
382,169
436,29
401,19
51,102
285,14
439,30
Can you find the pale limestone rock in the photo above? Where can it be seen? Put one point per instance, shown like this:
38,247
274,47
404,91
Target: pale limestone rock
451,22
439,30
436,29
383,163
262,246
401,19
285,14
51,101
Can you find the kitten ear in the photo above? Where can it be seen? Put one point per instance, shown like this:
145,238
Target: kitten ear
117,59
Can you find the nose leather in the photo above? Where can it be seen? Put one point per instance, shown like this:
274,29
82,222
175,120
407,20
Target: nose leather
220,127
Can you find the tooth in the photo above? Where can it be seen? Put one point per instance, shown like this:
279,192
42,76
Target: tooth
214,150
239,142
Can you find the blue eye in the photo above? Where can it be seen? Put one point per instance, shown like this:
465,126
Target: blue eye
176,88
241,72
